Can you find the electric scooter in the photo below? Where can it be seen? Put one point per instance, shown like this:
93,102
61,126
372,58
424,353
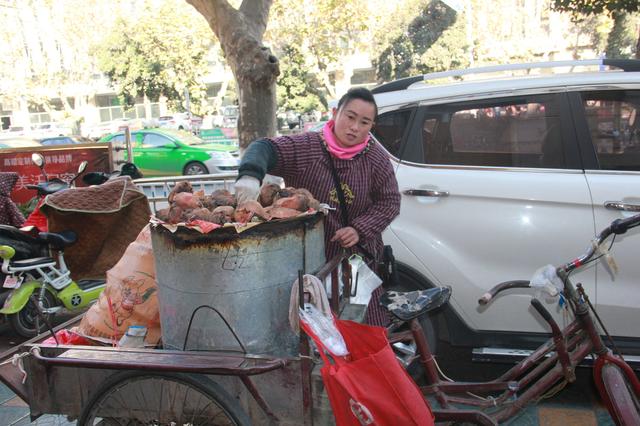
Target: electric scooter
48,281
25,240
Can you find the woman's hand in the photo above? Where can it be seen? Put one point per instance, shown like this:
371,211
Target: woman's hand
347,237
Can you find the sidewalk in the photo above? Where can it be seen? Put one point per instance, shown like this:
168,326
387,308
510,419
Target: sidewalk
15,412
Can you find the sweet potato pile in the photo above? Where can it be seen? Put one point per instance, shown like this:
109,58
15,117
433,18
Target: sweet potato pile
221,206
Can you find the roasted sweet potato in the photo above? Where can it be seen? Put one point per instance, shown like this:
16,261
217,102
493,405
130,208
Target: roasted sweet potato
163,214
245,211
186,200
281,212
175,214
220,197
204,214
296,201
268,193
183,186
225,212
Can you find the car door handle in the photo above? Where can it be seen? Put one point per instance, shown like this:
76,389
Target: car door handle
425,193
617,205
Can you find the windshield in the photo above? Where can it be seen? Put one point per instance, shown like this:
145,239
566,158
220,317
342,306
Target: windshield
230,111
184,137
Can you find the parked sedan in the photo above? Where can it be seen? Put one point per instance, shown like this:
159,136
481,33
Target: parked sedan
45,130
180,121
64,140
18,142
167,152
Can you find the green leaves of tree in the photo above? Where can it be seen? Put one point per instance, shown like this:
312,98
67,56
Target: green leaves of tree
163,52
297,87
312,39
622,39
588,7
407,53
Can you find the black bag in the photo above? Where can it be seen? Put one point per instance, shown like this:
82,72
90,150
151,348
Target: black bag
387,270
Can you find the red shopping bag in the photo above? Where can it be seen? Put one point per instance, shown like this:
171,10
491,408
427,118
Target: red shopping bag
369,386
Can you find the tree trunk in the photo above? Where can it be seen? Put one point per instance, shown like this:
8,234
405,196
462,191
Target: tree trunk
254,67
637,56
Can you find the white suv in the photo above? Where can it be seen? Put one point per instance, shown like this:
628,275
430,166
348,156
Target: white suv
502,176
180,121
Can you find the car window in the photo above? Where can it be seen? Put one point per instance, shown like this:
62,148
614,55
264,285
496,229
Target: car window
515,132
153,140
390,128
613,121
118,138
57,141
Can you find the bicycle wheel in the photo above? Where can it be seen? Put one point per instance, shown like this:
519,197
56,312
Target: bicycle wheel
624,403
140,398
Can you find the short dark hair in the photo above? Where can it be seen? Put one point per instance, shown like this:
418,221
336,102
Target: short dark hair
358,93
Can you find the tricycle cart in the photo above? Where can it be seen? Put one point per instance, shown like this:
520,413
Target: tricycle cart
113,385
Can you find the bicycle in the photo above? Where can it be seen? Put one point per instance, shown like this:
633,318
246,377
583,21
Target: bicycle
553,362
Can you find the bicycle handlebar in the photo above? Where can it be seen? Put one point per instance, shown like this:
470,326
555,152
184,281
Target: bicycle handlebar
618,227
486,298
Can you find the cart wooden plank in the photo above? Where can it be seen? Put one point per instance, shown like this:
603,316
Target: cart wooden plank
205,362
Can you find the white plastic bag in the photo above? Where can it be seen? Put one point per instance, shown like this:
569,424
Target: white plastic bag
324,328
546,279
364,280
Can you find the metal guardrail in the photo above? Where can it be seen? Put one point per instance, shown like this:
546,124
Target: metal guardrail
157,189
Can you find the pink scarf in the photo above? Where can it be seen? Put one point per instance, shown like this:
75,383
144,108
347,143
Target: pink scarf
337,150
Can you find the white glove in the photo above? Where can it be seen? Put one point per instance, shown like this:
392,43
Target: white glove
247,189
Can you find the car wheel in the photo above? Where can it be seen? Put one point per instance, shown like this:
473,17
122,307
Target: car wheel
195,168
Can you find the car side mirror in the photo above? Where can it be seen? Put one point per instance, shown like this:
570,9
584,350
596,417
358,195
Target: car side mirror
170,145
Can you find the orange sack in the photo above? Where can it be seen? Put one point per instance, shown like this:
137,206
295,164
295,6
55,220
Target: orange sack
133,292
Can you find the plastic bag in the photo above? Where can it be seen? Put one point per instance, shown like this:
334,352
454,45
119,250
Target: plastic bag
324,328
364,280
546,279
67,337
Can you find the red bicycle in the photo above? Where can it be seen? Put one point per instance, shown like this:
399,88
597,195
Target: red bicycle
544,370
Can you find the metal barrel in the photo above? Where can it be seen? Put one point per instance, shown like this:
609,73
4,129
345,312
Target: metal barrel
234,284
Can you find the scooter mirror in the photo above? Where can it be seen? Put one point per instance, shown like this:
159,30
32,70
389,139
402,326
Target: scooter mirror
83,166
37,159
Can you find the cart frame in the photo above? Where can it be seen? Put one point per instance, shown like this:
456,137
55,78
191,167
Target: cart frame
63,379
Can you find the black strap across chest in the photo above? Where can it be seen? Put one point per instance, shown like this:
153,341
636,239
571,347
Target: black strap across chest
343,203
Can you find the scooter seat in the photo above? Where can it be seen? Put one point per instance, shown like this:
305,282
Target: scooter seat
60,240
27,263
27,246
412,304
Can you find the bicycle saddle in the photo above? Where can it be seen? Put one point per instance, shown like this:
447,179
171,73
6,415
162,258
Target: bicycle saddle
411,304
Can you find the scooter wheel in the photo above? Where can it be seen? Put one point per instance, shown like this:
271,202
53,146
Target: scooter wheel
27,322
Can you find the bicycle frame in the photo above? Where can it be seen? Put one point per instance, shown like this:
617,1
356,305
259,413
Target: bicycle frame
537,374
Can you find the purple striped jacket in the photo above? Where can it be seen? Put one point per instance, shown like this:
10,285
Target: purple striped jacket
368,181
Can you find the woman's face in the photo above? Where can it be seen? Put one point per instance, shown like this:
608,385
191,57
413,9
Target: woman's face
353,121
